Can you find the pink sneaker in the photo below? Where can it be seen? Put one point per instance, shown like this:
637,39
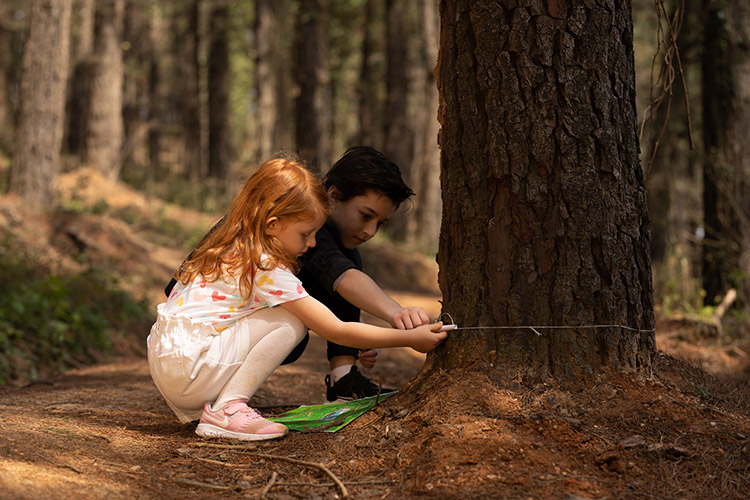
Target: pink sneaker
237,421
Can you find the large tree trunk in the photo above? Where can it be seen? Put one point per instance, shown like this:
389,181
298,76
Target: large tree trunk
36,158
104,127
311,74
726,119
219,144
544,219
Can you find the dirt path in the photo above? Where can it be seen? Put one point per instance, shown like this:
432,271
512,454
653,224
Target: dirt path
104,432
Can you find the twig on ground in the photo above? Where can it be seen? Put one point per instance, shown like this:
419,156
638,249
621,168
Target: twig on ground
198,484
336,480
269,485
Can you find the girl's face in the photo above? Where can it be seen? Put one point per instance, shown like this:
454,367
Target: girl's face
358,219
296,236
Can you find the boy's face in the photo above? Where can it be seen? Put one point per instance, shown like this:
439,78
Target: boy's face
358,219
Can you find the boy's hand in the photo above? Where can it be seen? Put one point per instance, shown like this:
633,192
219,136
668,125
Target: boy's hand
409,317
369,357
427,337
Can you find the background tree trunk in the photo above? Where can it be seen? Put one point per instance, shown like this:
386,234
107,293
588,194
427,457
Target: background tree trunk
267,51
136,77
189,70
104,127
671,169
311,76
219,145
370,115
399,139
38,138
78,91
726,176
424,225
545,218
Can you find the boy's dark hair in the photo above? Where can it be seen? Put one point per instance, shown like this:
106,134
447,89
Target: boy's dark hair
363,169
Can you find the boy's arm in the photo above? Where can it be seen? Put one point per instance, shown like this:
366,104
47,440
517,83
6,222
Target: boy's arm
360,290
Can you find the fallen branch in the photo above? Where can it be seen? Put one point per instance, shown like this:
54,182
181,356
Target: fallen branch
269,485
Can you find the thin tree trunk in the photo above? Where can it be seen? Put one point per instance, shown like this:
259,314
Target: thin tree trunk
104,127
192,122
545,218
284,131
726,179
78,91
426,164
219,141
370,124
135,104
398,135
267,52
674,201
38,138
155,97
311,75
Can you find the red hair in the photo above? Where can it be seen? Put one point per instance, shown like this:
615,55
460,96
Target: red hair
280,188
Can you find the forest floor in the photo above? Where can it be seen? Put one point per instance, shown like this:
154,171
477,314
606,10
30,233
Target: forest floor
103,431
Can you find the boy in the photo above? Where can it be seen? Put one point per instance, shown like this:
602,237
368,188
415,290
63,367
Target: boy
366,188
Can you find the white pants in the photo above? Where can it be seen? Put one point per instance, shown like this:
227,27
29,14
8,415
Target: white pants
192,364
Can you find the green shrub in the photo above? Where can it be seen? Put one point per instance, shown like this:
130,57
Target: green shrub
49,323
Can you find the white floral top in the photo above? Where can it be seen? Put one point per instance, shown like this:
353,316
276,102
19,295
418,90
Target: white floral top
218,303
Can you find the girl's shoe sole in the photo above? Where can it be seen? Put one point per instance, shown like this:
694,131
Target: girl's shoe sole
211,431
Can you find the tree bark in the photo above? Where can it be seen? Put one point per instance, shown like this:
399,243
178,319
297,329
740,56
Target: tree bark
312,78
726,176
104,127
545,219
219,141
38,137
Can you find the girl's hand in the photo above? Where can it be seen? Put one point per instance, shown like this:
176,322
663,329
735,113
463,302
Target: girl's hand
425,338
368,357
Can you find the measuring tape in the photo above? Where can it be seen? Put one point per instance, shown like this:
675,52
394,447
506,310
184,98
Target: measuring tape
535,329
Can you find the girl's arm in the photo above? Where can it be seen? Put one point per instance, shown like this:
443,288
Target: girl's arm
319,318
359,289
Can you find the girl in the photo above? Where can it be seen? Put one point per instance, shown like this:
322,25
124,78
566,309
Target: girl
237,310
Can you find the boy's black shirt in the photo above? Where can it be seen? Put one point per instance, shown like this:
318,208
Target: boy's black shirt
321,267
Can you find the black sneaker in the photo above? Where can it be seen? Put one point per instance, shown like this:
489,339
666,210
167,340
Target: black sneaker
351,386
